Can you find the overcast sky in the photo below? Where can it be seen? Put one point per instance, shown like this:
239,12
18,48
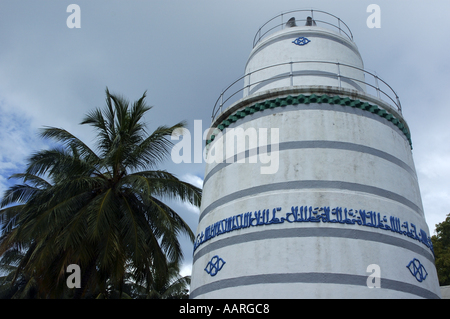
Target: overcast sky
184,52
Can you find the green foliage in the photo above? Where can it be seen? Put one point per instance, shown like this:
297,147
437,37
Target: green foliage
165,285
441,245
101,210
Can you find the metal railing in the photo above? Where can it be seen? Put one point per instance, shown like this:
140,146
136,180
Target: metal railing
321,18
376,85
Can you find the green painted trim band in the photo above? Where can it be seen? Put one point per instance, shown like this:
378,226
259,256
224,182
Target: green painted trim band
313,98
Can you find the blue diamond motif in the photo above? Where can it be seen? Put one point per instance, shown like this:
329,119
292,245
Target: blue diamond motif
214,265
301,41
417,270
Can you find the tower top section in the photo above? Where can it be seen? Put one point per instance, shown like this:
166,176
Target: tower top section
298,18
304,51
304,48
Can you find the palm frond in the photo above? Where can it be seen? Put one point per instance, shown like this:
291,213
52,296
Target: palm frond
35,180
21,193
165,185
154,149
69,140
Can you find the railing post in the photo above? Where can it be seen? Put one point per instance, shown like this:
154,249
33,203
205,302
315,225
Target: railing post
249,84
399,106
339,25
378,88
291,74
221,102
339,75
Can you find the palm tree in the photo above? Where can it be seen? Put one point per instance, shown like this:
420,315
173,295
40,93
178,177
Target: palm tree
102,210
166,285
12,287
170,285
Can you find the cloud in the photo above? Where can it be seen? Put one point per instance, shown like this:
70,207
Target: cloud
18,139
196,181
193,179
186,269
4,185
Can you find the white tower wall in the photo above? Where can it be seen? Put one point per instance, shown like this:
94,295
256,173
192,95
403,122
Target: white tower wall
345,194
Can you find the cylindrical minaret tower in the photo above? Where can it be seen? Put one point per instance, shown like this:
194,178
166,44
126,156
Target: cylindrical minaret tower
310,188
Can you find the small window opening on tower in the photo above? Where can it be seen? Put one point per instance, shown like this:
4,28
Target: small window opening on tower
310,22
291,23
